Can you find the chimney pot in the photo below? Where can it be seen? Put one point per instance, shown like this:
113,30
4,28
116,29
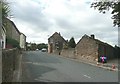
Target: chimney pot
59,33
93,36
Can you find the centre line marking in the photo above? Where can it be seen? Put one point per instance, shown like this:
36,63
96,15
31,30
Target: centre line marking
87,76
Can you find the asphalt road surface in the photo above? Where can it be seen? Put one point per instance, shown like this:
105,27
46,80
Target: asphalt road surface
43,67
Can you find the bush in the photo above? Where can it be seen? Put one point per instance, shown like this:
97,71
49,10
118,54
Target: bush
12,42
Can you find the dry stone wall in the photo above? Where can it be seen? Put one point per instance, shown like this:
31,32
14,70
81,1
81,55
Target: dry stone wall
70,53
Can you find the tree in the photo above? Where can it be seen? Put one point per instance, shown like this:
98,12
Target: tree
4,11
41,46
5,8
71,43
33,46
105,5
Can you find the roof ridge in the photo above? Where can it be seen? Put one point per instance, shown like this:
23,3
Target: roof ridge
97,40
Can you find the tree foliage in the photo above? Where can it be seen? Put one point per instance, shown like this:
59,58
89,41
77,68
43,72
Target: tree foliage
32,46
5,8
71,43
105,5
42,45
14,43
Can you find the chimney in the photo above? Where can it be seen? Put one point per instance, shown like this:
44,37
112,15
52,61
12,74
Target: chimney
92,36
59,34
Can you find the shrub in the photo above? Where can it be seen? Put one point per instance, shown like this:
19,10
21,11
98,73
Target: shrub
12,42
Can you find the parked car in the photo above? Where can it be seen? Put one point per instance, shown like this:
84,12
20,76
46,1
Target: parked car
44,50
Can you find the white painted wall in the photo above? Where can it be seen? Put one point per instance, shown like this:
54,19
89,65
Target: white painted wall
23,41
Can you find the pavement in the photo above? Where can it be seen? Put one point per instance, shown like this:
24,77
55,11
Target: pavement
108,65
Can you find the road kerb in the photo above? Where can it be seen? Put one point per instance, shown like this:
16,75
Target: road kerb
100,66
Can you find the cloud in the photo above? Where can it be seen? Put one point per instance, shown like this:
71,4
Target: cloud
39,19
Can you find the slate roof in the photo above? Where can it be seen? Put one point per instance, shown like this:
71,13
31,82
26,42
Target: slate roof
15,27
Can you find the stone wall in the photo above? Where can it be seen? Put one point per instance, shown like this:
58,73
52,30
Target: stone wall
68,53
9,63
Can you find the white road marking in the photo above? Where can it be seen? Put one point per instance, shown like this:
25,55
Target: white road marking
87,76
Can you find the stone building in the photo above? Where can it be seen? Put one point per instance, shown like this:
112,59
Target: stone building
91,49
11,30
56,43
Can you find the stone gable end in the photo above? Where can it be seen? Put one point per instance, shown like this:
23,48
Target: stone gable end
87,48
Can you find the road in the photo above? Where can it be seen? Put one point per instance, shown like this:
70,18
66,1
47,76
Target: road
43,67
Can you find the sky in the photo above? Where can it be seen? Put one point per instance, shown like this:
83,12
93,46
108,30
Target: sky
39,19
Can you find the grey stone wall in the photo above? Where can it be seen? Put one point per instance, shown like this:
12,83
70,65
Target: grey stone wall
70,53
9,63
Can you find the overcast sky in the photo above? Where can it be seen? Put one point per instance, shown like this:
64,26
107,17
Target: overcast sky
39,19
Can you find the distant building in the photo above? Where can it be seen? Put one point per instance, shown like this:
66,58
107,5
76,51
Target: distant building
56,43
91,49
22,41
29,45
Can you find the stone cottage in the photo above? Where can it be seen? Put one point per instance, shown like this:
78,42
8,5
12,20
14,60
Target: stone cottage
91,49
56,43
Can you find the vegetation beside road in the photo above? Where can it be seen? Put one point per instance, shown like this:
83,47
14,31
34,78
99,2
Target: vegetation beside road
14,43
34,46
